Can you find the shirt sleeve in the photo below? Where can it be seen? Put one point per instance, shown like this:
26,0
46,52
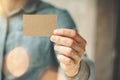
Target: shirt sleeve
86,71
65,20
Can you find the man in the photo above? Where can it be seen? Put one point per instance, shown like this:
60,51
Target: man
70,46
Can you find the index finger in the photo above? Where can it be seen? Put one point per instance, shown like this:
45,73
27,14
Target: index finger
69,33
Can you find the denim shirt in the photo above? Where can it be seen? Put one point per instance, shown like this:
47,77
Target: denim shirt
40,49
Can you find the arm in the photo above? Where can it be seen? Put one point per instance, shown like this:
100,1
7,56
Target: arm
86,71
71,47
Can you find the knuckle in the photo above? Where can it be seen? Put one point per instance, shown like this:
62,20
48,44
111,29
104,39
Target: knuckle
66,41
74,33
81,52
85,42
58,39
71,43
70,51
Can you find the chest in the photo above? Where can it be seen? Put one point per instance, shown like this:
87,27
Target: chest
39,49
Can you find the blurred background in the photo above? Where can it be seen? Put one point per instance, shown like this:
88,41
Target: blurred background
96,21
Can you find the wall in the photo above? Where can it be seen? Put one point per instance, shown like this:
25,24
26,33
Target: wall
95,20
84,14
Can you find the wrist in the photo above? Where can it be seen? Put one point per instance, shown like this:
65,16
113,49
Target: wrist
74,72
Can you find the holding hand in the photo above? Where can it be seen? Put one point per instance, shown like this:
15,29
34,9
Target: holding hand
71,47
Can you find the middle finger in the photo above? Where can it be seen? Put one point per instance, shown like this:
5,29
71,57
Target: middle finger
68,42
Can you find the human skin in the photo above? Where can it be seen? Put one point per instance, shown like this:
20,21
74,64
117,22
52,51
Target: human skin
69,44
71,47
10,5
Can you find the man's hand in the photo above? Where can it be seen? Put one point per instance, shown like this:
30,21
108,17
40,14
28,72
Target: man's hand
71,47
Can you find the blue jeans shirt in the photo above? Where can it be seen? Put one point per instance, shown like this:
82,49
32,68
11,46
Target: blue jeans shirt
40,49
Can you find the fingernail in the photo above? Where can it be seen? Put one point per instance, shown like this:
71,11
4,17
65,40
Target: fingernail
55,31
58,57
52,37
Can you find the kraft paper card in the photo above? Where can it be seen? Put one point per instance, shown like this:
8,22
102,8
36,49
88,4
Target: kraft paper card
39,25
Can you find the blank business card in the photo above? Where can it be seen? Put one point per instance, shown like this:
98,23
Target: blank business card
39,25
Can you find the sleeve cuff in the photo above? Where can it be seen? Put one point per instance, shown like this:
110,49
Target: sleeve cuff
83,73
86,71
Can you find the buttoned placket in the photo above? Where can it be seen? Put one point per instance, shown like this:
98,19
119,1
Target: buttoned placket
3,36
